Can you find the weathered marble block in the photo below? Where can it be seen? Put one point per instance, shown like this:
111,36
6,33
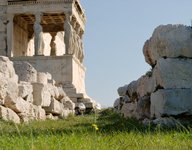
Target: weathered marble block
7,70
168,41
25,89
173,73
35,113
25,71
145,86
41,95
171,102
42,77
55,107
143,107
39,112
8,91
9,115
122,91
68,103
129,110
53,91
19,105
132,89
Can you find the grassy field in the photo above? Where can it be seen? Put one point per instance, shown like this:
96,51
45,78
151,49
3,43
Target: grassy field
104,131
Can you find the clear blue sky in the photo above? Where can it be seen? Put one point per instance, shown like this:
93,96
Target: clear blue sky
115,34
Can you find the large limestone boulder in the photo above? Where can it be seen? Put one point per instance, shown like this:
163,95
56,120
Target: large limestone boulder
168,41
18,105
8,80
39,112
173,73
137,89
122,91
41,95
117,104
68,103
9,115
3,87
62,94
145,86
34,113
129,110
55,107
54,91
132,90
25,71
143,108
8,90
26,91
171,102
7,70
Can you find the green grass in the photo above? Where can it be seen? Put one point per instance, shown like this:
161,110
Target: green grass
77,133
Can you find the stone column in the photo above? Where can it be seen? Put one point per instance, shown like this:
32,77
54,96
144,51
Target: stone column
68,35
52,44
10,35
38,32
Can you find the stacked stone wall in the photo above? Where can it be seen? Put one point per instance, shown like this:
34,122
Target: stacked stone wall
31,96
162,95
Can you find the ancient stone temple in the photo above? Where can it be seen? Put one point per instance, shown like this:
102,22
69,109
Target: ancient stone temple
48,35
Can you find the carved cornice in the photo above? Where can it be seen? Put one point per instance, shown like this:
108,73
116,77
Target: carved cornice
39,2
76,3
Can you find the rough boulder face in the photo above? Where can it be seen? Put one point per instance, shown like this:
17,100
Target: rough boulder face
162,95
170,41
33,97
25,71
9,115
7,70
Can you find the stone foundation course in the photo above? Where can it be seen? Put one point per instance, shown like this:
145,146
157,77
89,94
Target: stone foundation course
163,94
30,95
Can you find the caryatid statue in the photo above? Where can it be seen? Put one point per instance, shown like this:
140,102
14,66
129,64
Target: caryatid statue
68,37
38,31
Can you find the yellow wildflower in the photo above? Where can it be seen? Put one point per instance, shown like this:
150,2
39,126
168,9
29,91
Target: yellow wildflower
95,127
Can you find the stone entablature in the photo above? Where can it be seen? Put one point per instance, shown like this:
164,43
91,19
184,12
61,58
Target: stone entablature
76,6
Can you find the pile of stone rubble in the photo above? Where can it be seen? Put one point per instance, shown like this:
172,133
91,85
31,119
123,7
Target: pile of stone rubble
30,95
164,94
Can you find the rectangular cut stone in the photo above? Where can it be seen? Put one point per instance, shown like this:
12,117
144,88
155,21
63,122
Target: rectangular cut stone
41,95
171,102
55,107
173,73
65,70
